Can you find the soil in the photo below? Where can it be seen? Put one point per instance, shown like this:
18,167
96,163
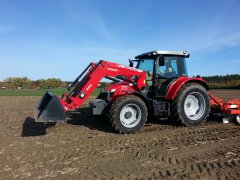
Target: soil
86,147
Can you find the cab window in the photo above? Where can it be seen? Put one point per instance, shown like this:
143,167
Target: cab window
147,65
174,66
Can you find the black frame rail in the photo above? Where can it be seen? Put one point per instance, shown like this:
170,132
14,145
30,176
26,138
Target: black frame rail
78,87
76,80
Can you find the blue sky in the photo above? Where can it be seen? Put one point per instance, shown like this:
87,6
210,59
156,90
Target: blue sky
58,38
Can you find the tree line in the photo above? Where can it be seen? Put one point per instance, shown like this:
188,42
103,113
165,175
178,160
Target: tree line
26,83
222,81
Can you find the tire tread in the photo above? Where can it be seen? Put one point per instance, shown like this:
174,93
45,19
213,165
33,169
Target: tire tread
176,110
116,105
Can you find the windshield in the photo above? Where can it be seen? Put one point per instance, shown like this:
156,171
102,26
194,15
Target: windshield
146,65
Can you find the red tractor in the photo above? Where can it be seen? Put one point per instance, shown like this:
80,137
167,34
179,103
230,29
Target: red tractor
158,86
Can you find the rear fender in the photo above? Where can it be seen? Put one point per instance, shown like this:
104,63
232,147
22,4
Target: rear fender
175,87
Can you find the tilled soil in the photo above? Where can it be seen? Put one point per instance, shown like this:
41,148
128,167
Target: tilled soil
87,148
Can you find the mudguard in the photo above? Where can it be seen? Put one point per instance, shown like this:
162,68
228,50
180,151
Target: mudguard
175,86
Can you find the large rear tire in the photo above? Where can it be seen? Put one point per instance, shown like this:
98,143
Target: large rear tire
128,114
191,105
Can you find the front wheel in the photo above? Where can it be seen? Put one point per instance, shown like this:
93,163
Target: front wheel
192,104
128,114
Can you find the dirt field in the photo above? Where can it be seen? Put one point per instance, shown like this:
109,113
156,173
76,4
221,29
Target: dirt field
87,148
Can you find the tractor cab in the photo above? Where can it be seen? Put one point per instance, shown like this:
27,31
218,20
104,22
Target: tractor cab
163,68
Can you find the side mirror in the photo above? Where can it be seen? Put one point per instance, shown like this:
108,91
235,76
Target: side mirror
161,62
130,63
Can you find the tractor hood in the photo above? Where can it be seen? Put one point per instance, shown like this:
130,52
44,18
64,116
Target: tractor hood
122,88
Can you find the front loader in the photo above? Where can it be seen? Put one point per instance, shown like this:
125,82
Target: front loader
157,86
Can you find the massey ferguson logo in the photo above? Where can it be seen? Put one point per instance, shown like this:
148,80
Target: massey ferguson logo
90,85
111,69
130,68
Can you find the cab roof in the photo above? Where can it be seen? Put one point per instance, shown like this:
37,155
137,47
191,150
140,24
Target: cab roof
158,52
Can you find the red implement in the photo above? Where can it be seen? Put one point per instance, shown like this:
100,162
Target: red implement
225,107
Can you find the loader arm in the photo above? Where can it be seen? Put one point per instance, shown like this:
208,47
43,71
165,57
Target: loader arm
98,71
52,108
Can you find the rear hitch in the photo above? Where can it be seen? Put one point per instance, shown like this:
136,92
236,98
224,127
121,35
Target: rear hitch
49,109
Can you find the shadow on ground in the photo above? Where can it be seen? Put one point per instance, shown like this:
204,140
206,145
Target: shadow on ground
163,121
32,128
83,117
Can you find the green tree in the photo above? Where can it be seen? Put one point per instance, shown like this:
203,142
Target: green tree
49,83
15,82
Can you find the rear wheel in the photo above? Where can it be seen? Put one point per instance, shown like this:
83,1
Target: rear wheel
128,114
238,119
192,104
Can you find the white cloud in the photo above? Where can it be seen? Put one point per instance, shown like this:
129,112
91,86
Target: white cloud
236,61
90,19
215,41
6,28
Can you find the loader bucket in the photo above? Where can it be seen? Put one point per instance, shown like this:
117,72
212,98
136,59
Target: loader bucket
49,109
